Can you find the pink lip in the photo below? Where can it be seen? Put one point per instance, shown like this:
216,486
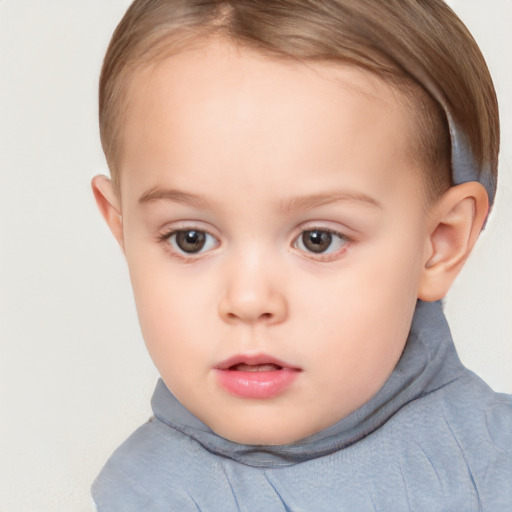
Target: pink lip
255,384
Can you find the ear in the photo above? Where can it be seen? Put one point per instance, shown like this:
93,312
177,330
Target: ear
109,205
456,221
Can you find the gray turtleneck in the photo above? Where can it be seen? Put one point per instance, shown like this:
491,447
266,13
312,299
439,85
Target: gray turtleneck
434,438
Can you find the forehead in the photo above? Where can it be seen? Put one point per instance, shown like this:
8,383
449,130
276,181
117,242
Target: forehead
224,106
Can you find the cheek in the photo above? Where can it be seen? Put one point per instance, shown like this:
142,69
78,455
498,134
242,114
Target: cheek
363,315
385,296
358,352
390,268
168,306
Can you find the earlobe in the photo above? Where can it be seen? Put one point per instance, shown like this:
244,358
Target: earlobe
457,219
109,206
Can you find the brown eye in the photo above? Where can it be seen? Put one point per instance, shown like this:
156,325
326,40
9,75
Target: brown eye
189,241
320,241
316,240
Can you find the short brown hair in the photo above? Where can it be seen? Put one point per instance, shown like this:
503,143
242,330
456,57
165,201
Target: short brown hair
449,84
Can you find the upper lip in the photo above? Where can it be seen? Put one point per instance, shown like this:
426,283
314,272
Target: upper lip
253,359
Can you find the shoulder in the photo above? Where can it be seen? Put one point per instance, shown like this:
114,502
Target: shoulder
481,420
148,472
464,429
474,412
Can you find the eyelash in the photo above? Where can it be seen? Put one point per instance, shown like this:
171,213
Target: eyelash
164,238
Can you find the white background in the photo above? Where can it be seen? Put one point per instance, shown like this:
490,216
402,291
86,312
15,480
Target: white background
75,379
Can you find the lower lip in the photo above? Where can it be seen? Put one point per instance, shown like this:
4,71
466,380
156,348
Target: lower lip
256,384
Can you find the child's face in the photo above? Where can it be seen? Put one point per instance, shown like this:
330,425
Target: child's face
275,232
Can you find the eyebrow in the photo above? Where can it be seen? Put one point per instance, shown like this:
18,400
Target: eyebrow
178,196
295,203
316,200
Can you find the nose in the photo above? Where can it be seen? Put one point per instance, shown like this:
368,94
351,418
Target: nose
253,293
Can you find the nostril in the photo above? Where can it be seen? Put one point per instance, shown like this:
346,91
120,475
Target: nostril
263,316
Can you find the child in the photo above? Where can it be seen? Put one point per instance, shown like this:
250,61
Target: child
295,186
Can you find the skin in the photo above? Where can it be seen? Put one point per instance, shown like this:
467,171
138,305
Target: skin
254,152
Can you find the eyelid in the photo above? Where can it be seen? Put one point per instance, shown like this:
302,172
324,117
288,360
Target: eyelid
330,227
187,225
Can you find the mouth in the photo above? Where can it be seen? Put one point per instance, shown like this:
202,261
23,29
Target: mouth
268,367
256,376
254,362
